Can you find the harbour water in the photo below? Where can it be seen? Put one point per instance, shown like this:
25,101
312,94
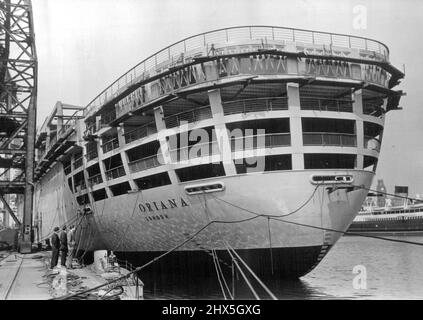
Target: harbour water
387,270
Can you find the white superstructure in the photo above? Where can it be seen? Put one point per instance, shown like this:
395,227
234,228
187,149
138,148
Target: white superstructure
308,106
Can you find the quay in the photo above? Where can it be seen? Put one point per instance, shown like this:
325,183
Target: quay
28,277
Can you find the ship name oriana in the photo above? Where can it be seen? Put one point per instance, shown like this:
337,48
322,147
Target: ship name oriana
162,205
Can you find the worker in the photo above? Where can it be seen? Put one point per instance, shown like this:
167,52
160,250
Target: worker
55,246
63,246
71,246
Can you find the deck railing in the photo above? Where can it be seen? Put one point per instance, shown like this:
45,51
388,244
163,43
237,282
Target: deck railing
144,163
183,51
193,115
107,118
140,132
77,163
373,107
322,104
110,145
270,140
96,179
255,105
115,173
329,139
68,169
201,150
93,154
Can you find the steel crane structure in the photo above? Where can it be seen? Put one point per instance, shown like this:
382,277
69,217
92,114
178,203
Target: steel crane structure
18,105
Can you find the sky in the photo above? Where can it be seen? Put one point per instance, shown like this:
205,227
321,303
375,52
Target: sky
84,45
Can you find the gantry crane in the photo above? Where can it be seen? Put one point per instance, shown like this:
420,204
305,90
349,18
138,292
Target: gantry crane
18,105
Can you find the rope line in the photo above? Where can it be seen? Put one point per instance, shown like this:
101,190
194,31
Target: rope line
169,251
218,277
251,271
256,215
222,275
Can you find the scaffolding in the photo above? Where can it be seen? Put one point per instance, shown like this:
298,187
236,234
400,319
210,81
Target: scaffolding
18,95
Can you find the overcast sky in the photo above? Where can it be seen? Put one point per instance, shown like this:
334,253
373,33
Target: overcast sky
84,45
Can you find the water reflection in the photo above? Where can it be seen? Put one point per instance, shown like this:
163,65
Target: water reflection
393,271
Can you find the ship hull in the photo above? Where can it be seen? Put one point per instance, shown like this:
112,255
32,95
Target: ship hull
293,235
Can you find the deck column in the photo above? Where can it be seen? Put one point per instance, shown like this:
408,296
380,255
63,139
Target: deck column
358,111
102,169
293,92
164,145
124,156
221,131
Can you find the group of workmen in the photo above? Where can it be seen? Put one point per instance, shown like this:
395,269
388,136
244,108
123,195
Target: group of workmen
63,242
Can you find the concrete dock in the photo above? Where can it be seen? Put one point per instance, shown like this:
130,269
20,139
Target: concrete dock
27,277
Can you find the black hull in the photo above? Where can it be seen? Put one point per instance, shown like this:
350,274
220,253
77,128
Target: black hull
287,262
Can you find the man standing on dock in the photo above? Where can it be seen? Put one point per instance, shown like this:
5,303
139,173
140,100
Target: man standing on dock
71,246
63,246
55,246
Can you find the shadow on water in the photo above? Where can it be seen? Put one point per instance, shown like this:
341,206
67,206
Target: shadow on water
201,287
186,285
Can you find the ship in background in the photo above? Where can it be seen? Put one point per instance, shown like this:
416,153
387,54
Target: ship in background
117,168
397,215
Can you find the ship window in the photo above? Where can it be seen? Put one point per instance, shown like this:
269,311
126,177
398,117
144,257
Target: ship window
83,200
370,163
93,170
79,182
99,194
328,125
120,188
67,167
329,161
270,163
204,171
143,151
153,181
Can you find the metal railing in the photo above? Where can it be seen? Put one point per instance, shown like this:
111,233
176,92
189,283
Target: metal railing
201,150
141,132
115,173
68,169
373,107
183,51
269,140
329,139
107,118
193,115
66,127
372,143
144,164
92,155
323,104
110,145
96,179
254,105
77,163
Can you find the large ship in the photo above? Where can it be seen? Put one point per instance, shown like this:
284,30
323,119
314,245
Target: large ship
397,214
258,138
